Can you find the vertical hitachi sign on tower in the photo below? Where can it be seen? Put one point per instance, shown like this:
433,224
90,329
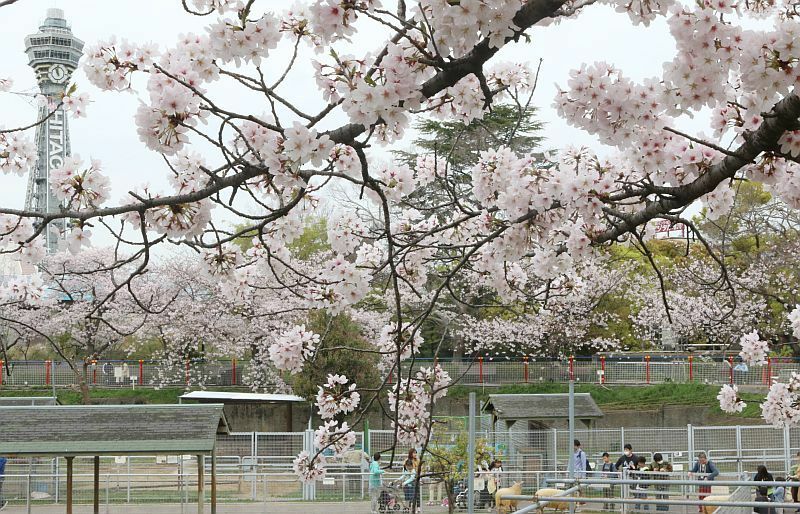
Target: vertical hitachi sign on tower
53,53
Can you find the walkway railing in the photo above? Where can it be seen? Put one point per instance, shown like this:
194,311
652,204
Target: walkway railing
478,371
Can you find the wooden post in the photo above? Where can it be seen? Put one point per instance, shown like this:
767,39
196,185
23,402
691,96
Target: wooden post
96,484
214,481
768,382
730,363
603,369
647,368
525,368
200,486
141,372
233,362
69,485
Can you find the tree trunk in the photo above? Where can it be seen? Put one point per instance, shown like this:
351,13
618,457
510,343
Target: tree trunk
85,395
451,499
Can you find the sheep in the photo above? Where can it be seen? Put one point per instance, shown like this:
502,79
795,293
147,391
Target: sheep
506,506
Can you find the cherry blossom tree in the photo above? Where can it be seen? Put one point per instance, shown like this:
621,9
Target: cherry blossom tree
526,215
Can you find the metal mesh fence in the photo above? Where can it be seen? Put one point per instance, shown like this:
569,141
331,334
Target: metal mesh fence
480,371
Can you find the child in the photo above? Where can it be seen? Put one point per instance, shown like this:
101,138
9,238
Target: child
641,473
375,473
609,470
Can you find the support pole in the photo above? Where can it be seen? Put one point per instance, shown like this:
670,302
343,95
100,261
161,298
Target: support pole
214,481
471,457
96,485
69,485
201,497
571,462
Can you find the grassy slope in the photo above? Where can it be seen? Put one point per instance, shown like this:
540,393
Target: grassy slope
630,397
609,397
70,397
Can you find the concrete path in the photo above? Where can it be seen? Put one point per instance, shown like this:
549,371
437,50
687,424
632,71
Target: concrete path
252,508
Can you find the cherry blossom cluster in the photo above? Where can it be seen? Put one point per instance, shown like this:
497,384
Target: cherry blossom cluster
336,397
794,320
29,290
76,104
395,345
223,261
338,438
15,233
781,405
291,350
6,84
109,64
729,400
77,239
177,220
78,186
411,402
221,6
754,350
338,284
17,153
457,27
308,468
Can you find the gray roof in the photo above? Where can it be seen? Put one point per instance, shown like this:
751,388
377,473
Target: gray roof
16,401
235,397
110,429
541,406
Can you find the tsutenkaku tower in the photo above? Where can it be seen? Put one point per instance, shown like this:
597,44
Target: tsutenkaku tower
53,53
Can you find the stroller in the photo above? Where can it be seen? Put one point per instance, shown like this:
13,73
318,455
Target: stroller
392,499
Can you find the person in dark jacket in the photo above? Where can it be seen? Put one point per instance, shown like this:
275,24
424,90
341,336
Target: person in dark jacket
3,501
763,492
659,464
628,461
703,469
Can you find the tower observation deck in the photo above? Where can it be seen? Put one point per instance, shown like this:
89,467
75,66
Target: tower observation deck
53,53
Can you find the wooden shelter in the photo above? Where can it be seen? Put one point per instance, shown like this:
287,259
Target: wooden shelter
234,399
510,408
114,430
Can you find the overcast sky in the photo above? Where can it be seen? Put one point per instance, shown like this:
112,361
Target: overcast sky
109,133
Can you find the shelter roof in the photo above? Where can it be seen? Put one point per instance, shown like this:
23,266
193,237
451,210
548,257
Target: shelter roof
111,429
541,406
234,397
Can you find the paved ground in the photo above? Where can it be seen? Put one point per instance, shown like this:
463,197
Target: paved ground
272,507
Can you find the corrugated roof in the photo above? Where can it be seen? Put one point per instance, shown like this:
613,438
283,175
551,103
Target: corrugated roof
233,397
18,401
110,429
541,406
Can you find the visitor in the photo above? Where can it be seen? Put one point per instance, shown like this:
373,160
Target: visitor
779,494
628,460
495,475
375,473
642,472
795,476
436,490
409,479
481,485
763,492
580,460
703,469
3,460
661,470
609,470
